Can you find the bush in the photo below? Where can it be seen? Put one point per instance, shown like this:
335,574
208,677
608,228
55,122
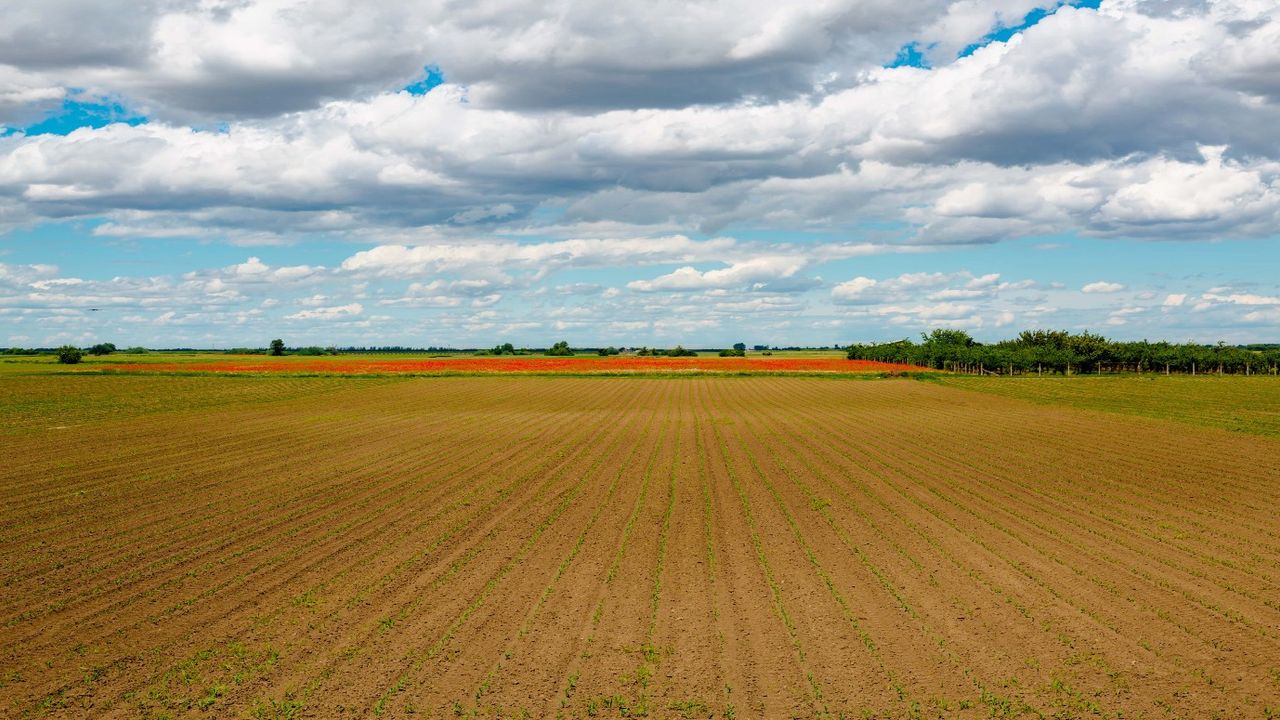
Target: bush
560,349
102,349
136,350
734,352
69,355
679,351
607,351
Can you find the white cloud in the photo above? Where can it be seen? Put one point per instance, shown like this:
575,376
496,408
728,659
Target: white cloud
1240,298
336,312
1211,194
580,136
925,300
291,55
934,286
937,311
18,275
759,272
407,261
1268,315
442,293
1111,122
1102,287
853,290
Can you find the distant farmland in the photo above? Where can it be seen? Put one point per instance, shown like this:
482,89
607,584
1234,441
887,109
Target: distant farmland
280,546
815,363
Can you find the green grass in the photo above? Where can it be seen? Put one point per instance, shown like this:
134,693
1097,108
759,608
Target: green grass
1235,403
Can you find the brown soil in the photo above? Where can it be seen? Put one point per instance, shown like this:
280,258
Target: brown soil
687,547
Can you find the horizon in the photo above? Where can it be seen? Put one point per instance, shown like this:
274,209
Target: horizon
588,348
212,176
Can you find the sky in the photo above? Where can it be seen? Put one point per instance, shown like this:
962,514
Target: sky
217,173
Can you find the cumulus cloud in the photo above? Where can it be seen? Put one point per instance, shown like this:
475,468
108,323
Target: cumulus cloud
540,257
757,273
1212,195
935,286
448,293
249,59
1240,298
1111,121
25,99
335,312
18,275
634,140
1102,287
923,299
857,289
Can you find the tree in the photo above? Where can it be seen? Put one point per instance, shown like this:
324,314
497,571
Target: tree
606,351
941,336
1059,351
680,351
735,352
102,349
69,355
277,347
560,349
1089,349
740,346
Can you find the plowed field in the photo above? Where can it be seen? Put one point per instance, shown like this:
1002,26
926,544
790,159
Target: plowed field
671,547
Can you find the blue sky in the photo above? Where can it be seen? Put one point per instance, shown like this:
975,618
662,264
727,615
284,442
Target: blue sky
769,174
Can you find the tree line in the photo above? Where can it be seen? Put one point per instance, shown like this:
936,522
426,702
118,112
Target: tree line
1063,352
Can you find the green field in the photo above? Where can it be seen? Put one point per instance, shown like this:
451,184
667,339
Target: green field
1240,404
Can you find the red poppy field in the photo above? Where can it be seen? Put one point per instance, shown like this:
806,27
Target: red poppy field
277,546
472,365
